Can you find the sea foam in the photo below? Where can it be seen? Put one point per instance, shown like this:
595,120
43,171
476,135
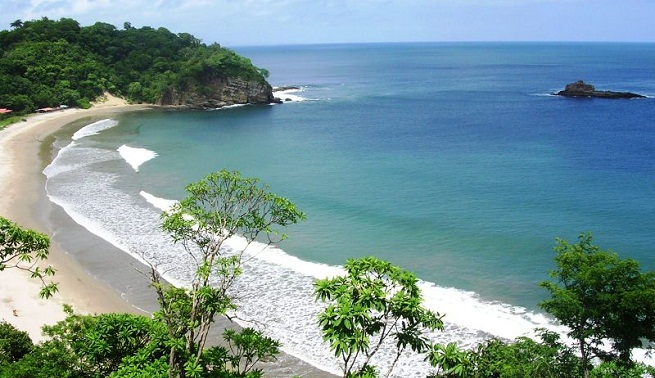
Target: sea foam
290,95
135,156
159,203
275,291
94,128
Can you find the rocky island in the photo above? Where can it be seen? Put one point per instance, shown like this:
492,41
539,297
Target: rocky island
582,89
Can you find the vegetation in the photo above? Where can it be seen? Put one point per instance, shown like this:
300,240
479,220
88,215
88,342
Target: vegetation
547,357
174,342
524,357
14,344
6,120
374,303
120,345
46,63
604,300
599,296
23,249
220,206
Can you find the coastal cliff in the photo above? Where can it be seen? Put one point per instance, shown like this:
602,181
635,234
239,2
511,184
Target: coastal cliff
220,92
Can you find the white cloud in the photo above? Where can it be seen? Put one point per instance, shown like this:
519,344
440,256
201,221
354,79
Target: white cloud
238,22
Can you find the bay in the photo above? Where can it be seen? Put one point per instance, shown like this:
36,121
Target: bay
453,161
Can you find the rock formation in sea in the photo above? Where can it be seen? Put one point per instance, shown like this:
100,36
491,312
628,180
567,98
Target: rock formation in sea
582,89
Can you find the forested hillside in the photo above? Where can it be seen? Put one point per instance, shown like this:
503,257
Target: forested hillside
46,63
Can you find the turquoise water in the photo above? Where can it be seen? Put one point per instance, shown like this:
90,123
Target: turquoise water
451,160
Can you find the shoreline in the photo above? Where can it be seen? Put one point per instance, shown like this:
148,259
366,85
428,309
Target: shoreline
86,265
23,201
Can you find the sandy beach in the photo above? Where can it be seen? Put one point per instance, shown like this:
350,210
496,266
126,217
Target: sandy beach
21,185
23,201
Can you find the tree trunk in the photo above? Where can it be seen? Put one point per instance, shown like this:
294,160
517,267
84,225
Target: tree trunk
584,359
171,363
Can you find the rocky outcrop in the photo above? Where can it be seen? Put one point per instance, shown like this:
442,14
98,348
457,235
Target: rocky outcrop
582,89
220,92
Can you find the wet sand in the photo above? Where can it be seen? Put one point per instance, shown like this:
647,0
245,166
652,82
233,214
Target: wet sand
93,275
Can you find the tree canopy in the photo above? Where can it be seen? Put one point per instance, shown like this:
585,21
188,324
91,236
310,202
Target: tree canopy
601,297
374,304
220,206
46,63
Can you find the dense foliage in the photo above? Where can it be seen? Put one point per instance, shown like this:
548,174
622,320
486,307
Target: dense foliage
14,344
220,206
46,63
125,346
601,297
524,357
547,357
374,304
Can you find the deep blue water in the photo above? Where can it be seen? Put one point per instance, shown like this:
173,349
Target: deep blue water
451,160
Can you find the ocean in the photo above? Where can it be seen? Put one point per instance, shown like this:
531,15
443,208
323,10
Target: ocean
451,160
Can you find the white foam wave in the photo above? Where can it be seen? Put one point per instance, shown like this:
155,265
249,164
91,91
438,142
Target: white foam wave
228,107
275,289
59,163
281,294
94,128
159,203
233,106
68,161
290,95
92,225
136,156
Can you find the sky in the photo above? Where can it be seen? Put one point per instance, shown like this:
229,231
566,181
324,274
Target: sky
234,23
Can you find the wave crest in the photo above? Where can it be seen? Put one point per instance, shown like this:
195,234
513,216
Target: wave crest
135,156
94,128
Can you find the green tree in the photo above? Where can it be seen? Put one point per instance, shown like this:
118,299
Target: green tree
23,249
14,344
523,357
124,346
611,369
599,296
450,360
373,303
99,343
90,346
220,206
44,361
144,64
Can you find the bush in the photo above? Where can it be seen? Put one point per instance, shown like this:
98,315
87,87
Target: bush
14,344
612,370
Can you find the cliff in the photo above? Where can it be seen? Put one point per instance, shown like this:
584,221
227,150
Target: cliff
219,92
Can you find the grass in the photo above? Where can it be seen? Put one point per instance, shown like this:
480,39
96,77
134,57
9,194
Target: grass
9,120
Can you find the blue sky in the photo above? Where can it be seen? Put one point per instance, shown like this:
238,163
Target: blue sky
276,22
